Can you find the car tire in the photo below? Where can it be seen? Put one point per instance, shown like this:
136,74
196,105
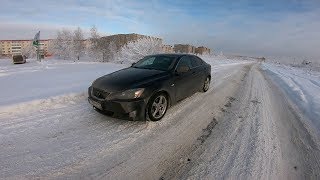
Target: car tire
157,106
206,84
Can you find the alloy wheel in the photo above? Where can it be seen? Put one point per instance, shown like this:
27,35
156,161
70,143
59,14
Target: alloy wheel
206,84
158,107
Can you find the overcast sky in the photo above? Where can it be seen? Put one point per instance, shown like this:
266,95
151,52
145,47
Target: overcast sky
247,27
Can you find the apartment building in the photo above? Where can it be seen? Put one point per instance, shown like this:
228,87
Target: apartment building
184,48
167,49
13,47
202,50
121,39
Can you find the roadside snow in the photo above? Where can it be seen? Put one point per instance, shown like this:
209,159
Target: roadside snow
220,59
36,81
302,87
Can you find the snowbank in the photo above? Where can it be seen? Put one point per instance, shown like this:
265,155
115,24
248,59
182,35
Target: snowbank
43,104
305,63
41,80
302,87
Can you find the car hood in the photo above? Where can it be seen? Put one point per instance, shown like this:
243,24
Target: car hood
127,78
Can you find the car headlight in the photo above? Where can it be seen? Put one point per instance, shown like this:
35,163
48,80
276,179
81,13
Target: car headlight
128,94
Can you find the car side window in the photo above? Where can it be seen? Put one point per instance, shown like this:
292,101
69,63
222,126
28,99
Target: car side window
200,61
184,61
195,61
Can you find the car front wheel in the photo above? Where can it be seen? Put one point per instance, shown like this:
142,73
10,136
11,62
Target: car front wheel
157,107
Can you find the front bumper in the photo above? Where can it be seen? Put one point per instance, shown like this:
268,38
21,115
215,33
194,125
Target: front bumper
129,109
19,62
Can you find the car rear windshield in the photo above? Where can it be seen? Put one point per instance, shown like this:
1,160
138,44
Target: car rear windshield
163,63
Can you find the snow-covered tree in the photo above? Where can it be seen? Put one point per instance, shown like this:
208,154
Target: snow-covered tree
78,43
136,50
94,48
29,51
109,52
100,48
62,46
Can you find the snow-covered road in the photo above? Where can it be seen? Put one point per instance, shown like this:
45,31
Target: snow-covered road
243,127
259,137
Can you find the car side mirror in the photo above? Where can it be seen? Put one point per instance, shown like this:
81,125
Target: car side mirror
133,64
182,69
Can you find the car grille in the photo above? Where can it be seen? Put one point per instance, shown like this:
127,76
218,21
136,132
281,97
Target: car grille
99,93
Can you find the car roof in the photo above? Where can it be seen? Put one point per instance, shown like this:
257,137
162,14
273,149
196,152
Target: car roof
172,54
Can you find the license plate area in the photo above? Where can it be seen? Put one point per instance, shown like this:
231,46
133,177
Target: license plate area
95,104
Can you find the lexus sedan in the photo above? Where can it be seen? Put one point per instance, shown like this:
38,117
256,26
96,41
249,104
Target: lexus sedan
149,87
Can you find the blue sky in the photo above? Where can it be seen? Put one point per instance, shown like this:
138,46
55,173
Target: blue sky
248,27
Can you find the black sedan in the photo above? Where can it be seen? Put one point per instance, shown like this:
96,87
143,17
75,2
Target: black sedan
150,86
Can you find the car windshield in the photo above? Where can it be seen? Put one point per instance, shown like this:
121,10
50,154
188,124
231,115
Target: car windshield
163,63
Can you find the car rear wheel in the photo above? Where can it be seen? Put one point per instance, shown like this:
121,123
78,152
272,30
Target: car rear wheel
206,84
157,107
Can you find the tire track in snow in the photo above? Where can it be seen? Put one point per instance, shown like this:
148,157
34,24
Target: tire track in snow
260,137
234,148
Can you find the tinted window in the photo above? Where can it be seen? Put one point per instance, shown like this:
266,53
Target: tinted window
147,61
195,61
185,61
163,63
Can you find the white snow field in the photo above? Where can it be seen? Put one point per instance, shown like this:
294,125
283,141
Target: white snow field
246,126
35,80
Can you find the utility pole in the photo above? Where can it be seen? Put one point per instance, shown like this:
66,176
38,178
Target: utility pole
38,54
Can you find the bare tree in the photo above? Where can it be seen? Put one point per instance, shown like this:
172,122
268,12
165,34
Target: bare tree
136,50
78,43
